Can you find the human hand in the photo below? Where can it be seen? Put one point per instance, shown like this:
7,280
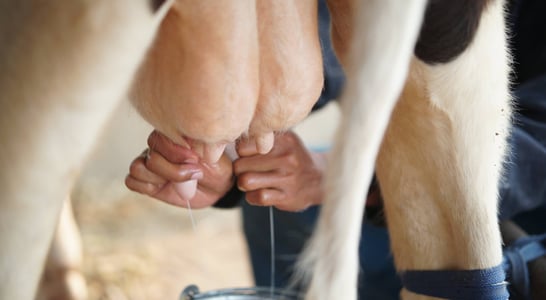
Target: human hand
289,177
159,171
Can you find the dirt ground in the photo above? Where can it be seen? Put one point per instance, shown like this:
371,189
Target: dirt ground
139,248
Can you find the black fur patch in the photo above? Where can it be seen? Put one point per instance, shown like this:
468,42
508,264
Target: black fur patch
448,28
156,4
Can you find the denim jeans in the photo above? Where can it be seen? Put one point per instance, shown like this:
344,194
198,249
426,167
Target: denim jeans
523,188
377,278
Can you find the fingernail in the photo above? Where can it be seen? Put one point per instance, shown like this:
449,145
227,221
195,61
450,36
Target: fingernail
241,188
147,154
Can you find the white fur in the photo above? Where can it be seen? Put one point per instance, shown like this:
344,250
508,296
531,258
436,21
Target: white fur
62,278
65,65
439,162
383,43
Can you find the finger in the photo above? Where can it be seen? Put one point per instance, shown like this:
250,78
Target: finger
138,170
252,181
258,163
171,151
246,147
291,207
141,187
144,154
276,198
157,164
258,144
163,193
265,197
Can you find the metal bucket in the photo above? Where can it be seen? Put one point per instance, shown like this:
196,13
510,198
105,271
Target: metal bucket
258,293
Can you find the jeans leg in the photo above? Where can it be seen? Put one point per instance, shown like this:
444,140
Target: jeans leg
378,278
291,232
524,186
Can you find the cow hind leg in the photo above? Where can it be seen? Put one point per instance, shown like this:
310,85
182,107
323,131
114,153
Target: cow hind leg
62,278
65,65
442,155
379,59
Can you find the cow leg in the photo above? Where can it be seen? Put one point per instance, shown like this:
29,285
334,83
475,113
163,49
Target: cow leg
442,155
65,65
377,68
62,277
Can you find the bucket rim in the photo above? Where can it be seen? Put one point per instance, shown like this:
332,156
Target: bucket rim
191,292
